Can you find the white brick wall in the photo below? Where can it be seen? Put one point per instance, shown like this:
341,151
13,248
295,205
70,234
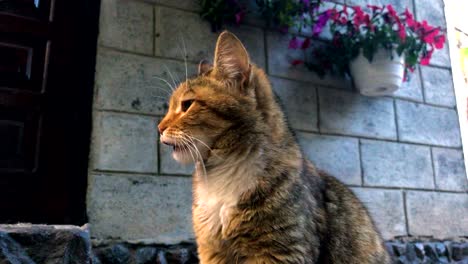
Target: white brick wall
400,154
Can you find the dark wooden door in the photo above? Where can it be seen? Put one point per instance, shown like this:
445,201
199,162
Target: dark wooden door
47,58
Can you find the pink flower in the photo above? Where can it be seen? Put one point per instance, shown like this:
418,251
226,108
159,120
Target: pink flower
392,12
293,43
426,59
374,7
322,21
358,16
439,41
305,44
429,37
409,19
401,32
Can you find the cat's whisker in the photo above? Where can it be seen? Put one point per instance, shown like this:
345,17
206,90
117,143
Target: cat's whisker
168,92
166,82
197,152
185,57
170,74
205,145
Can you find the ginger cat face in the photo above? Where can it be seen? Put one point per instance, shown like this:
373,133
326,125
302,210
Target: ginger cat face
202,109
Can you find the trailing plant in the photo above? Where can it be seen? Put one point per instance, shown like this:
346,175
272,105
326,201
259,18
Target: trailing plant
286,15
355,30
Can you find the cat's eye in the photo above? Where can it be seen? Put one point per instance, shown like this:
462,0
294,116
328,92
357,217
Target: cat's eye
186,104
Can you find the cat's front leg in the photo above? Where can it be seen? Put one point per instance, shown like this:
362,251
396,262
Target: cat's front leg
228,221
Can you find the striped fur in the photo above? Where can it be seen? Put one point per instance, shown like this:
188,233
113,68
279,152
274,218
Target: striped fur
255,198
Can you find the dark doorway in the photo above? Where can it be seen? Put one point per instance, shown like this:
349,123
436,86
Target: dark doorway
47,60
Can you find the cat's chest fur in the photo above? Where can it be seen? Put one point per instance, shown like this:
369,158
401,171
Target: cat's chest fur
217,195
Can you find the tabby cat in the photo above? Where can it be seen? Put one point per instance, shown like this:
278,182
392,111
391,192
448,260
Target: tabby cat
256,199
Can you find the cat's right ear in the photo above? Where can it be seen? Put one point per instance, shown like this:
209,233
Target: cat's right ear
204,67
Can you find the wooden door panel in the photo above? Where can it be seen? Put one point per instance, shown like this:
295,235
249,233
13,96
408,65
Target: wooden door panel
19,133
38,9
47,60
22,63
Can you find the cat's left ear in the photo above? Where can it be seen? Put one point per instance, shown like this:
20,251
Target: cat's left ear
231,59
204,66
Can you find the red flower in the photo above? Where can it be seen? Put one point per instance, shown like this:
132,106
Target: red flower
293,43
410,19
392,11
401,32
439,41
429,37
305,44
359,16
344,20
296,62
374,7
426,59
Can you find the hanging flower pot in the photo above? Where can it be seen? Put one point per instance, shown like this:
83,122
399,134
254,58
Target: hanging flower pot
382,76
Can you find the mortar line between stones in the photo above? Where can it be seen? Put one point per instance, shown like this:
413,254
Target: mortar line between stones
101,110
158,151
351,92
127,173
390,188
395,115
405,210
374,139
317,100
360,161
423,87
433,168
154,31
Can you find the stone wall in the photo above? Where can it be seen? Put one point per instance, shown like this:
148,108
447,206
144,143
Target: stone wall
401,155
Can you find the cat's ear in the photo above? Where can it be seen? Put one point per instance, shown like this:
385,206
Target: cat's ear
204,66
231,59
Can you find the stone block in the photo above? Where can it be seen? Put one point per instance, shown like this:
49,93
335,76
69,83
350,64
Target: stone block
386,209
176,27
438,86
133,83
390,164
432,11
351,114
139,208
441,57
299,101
450,173
338,156
280,58
441,215
169,165
176,30
126,25
411,90
30,244
426,124
399,5
125,142
190,5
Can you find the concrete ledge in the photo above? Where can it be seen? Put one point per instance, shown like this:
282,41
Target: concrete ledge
30,244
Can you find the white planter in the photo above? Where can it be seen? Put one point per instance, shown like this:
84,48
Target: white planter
381,77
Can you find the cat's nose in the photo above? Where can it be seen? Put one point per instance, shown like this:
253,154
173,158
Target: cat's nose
161,128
